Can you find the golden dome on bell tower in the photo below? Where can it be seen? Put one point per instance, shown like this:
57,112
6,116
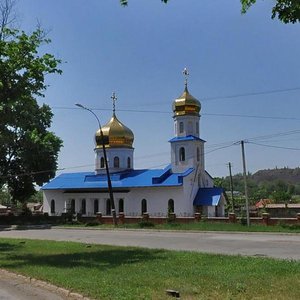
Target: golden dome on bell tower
186,104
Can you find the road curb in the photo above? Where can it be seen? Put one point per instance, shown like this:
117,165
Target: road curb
68,294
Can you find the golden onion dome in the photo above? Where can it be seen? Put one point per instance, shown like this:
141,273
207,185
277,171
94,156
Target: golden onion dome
186,104
115,135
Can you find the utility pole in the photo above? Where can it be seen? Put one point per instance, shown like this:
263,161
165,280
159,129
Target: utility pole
111,195
245,183
231,186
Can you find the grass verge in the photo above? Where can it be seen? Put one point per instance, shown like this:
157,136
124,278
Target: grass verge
200,226
109,272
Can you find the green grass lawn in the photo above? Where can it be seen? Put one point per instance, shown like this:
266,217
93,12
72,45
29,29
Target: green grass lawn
109,272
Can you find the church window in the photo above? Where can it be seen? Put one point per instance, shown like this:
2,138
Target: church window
108,207
198,154
83,206
144,206
116,162
175,127
52,206
121,205
199,179
182,154
96,206
197,127
128,163
190,127
102,162
73,206
181,127
171,206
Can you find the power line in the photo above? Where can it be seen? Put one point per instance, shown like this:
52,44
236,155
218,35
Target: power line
252,116
278,147
251,94
272,135
203,114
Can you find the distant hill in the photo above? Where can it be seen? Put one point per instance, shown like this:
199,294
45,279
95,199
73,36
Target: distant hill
287,175
271,183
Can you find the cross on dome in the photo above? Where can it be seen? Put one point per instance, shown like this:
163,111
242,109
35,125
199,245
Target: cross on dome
114,99
185,73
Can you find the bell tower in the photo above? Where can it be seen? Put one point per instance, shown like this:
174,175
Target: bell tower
187,149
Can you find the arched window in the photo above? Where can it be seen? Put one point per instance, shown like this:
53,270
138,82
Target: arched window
116,162
52,206
171,206
197,127
96,206
182,154
73,206
198,154
83,206
108,207
181,127
102,162
190,127
121,205
144,206
128,163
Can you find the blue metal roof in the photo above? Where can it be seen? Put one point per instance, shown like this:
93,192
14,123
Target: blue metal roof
126,179
185,138
208,196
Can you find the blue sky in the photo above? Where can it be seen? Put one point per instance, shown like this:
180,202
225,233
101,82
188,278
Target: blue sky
140,51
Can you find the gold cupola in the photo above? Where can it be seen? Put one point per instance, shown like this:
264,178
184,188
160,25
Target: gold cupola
186,104
115,133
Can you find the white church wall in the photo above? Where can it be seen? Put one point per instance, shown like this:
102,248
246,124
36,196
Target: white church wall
157,201
57,196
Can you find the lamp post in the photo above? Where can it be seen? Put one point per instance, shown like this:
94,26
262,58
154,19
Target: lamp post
111,196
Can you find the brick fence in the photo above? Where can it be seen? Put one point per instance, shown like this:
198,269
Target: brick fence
265,219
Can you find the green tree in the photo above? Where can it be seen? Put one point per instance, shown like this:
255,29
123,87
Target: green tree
287,11
28,150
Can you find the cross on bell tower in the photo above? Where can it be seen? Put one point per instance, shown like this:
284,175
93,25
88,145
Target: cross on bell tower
185,73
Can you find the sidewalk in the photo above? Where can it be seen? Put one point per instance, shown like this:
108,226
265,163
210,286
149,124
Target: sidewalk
18,287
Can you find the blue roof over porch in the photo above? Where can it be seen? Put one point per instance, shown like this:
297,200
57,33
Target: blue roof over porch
208,196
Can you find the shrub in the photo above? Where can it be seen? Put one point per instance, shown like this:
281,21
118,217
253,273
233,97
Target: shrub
146,224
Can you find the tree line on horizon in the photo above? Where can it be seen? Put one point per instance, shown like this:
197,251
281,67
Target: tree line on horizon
281,185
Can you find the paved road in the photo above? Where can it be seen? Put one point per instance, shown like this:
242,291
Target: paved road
284,246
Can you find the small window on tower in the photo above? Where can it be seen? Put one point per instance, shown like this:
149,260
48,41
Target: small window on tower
102,162
198,154
116,162
181,127
181,154
197,127
128,163
190,127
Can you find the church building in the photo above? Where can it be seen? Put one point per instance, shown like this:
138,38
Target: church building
183,187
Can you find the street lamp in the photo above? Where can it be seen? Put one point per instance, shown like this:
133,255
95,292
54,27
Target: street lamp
111,196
